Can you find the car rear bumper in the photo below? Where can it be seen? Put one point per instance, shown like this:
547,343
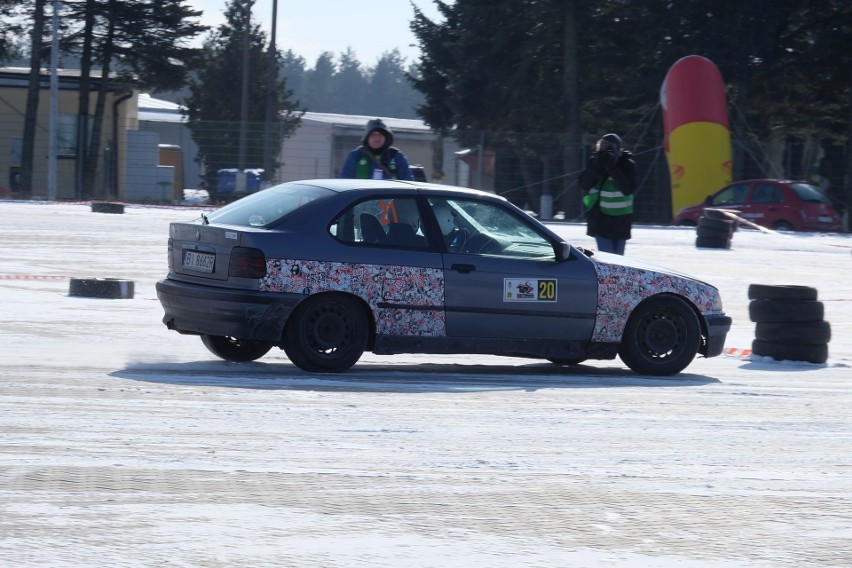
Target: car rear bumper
718,327
244,314
816,227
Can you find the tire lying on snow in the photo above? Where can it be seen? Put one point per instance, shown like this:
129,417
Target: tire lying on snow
107,207
783,292
713,242
785,310
798,333
723,225
721,233
790,352
111,288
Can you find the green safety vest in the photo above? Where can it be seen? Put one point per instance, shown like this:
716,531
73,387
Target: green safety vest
612,201
365,165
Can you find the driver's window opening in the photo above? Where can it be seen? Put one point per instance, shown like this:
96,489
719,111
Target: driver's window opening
487,229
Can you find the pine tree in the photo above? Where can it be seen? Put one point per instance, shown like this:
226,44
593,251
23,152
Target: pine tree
225,126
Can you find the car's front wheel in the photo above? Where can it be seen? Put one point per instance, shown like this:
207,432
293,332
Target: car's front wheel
233,349
662,337
326,334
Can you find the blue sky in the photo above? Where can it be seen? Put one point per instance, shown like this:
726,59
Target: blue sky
370,28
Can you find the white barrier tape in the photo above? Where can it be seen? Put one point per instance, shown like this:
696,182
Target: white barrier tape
32,277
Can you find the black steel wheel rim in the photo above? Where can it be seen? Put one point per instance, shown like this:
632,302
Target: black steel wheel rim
328,329
661,335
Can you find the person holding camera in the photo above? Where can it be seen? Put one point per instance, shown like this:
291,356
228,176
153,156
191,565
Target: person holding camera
609,182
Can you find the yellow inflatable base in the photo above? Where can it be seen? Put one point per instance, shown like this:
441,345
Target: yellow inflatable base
699,157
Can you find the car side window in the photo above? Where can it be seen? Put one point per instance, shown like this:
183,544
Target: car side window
390,222
487,229
766,193
733,195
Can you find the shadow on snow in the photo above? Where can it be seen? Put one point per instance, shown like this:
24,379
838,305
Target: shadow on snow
412,377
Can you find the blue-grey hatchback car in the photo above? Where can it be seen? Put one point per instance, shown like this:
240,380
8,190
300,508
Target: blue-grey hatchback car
327,269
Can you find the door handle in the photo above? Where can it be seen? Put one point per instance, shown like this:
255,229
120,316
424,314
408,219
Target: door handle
463,268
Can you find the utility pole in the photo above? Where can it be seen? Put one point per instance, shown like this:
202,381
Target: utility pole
270,119
53,129
241,158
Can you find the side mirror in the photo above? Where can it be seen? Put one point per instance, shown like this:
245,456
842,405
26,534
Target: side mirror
563,251
708,200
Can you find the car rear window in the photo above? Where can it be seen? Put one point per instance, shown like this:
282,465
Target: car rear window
268,206
808,192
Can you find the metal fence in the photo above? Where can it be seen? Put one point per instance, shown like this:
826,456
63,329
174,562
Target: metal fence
523,167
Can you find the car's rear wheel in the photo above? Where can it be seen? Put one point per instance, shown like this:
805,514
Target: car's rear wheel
783,226
233,349
662,337
326,334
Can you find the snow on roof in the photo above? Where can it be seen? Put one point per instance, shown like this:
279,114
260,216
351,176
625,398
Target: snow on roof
158,110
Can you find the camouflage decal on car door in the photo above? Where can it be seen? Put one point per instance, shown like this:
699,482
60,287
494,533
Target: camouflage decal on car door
400,297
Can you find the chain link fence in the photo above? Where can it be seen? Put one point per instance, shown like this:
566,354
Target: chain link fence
536,171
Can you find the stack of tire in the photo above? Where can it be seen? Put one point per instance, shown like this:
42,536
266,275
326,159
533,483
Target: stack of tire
789,323
715,230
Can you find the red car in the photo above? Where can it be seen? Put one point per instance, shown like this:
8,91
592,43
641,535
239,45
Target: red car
782,205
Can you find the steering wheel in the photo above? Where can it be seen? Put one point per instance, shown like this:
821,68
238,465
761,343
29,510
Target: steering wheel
481,243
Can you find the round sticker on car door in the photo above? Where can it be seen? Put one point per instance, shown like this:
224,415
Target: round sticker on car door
529,290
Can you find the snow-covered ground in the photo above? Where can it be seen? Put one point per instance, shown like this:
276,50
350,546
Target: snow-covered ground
125,444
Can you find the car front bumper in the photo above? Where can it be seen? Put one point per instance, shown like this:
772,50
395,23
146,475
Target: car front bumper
244,314
718,327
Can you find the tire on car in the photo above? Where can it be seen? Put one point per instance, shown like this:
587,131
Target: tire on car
662,336
109,288
327,333
236,350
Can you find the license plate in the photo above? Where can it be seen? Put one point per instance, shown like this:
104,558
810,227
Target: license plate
198,261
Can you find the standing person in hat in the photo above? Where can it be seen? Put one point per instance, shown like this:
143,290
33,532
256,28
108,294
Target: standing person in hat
376,158
609,181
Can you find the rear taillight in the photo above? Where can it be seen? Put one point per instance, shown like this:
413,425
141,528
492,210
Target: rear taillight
247,263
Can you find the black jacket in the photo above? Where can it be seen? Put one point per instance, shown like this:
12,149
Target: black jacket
623,173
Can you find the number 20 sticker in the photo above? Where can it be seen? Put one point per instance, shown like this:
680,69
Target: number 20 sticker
529,290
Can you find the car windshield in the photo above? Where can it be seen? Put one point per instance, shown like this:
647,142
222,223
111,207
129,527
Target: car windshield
268,206
807,192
